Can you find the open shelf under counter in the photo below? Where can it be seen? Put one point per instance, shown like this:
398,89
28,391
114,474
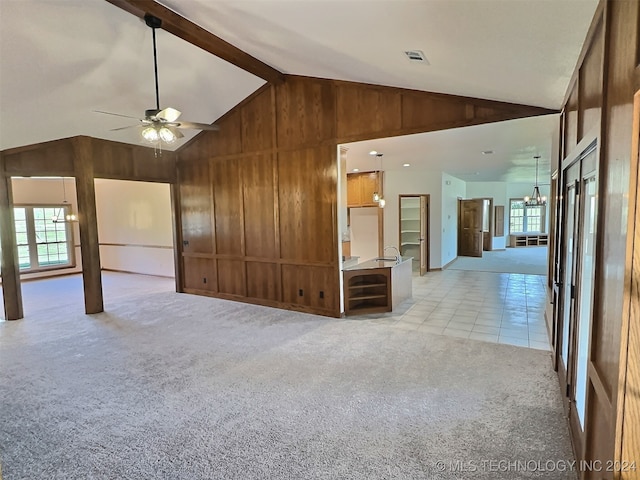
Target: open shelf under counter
376,286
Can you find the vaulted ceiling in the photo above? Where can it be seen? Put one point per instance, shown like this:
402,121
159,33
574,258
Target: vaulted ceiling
62,59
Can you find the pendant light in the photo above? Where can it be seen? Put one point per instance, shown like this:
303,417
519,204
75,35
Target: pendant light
377,197
536,199
60,216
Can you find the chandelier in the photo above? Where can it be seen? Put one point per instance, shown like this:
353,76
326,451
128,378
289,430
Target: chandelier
536,199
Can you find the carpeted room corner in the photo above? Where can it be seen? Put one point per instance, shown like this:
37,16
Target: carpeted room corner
166,385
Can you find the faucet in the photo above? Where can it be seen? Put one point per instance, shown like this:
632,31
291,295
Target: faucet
393,248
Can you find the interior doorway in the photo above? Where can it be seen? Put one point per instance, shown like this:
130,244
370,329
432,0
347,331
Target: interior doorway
413,218
470,231
574,317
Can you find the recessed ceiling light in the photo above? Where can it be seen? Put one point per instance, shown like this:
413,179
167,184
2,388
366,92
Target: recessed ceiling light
373,152
356,169
406,164
487,152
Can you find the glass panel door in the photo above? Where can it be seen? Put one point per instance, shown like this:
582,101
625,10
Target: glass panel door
585,295
567,279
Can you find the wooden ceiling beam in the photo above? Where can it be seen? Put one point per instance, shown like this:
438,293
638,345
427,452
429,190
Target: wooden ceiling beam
198,36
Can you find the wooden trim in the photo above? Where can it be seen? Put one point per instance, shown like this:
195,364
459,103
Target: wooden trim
513,107
266,303
11,289
593,28
182,28
174,193
440,126
87,222
281,261
576,153
626,407
36,146
381,215
601,391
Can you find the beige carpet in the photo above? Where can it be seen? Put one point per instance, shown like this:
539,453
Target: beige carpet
525,260
171,386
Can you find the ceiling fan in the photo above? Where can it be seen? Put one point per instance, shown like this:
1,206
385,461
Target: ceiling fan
159,125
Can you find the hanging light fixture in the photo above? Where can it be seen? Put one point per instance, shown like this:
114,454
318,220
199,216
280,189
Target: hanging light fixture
377,197
536,199
60,216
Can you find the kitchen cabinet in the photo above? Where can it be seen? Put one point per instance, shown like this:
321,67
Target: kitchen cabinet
361,187
377,285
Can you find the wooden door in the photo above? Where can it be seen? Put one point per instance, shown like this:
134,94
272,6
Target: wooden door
424,234
470,228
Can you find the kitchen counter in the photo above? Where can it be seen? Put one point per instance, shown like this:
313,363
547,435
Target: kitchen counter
377,285
375,263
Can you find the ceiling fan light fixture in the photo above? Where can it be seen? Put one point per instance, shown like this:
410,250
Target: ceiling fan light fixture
150,134
166,135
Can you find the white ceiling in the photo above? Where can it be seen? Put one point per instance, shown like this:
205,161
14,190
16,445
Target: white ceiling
62,59
458,151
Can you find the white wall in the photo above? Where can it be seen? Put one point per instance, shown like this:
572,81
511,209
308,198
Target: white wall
364,232
452,189
135,229
49,191
414,182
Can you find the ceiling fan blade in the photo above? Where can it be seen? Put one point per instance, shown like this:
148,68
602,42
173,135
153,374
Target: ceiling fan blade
199,126
169,114
177,133
124,128
116,114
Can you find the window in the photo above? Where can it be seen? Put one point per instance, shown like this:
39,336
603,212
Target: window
525,219
42,244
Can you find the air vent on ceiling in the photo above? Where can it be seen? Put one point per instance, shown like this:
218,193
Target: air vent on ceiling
416,56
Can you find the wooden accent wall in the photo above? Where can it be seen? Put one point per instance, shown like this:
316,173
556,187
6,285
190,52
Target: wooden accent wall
628,408
258,217
85,159
599,105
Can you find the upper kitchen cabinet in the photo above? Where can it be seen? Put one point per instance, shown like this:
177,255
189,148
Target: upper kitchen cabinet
361,188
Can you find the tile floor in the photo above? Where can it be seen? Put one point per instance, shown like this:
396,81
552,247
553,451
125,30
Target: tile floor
493,307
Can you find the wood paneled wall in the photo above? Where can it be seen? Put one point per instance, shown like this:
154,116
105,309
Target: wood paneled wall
85,159
257,200
599,105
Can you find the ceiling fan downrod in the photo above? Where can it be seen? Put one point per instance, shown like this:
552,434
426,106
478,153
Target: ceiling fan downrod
154,22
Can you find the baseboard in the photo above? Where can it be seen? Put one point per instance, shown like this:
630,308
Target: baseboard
444,267
135,273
